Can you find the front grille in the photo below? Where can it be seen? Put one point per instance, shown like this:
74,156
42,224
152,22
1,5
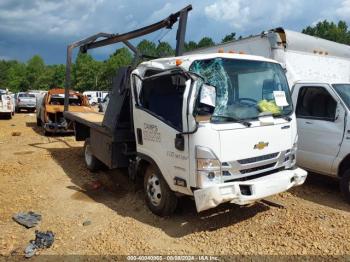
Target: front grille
257,159
247,178
254,169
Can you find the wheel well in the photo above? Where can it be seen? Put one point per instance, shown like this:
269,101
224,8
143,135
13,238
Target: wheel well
141,167
144,162
344,165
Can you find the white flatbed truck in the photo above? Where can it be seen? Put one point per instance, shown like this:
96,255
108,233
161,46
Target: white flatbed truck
195,125
318,71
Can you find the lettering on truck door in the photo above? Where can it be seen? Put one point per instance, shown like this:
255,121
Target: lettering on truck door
158,118
320,119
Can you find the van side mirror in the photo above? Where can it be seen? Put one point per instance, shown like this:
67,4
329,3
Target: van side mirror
337,112
206,103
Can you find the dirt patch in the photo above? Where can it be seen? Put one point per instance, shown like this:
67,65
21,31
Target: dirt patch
47,175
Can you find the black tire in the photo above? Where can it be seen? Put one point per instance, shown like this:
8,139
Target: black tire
38,121
345,185
47,133
92,163
158,196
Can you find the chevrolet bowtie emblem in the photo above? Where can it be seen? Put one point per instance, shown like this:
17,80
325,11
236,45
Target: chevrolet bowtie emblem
261,145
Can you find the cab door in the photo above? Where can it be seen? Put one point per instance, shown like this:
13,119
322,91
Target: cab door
159,119
320,119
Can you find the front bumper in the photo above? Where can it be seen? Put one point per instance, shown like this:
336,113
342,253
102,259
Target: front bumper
25,106
57,128
249,191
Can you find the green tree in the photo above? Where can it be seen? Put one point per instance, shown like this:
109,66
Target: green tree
58,76
17,78
164,49
121,57
5,66
35,67
147,48
331,31
85,73
191,45
205,42
229,37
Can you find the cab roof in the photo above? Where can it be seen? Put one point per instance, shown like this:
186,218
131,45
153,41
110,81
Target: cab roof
187,60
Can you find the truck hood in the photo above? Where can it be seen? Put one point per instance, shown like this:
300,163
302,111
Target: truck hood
243,143
59,108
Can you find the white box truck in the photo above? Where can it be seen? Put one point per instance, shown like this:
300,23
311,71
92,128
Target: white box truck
318,71
197,125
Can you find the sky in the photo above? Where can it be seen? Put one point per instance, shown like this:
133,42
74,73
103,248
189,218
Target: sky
46,27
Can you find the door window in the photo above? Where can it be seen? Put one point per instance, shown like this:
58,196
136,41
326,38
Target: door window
315,102
163,96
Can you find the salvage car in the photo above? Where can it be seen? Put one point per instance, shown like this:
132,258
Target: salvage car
50,108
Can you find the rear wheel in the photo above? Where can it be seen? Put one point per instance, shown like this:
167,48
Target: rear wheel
92,163
345,185
159,197
38,121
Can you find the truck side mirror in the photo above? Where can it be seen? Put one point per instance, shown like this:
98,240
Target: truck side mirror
206,103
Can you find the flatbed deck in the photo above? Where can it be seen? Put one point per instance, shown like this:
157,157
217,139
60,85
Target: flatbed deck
90,119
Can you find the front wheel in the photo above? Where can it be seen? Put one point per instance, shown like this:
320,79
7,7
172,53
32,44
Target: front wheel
92,163
345,185
159,197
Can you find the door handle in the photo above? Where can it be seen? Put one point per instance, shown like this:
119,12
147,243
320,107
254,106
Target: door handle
309,123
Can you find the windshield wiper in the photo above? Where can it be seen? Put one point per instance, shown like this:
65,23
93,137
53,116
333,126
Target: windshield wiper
287,118
243,122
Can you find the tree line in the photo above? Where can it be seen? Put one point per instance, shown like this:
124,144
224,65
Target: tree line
90,74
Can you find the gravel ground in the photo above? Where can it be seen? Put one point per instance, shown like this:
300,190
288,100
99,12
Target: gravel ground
47,175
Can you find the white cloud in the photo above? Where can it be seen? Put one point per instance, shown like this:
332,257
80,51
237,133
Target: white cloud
344,11
52,17
6,58
242,13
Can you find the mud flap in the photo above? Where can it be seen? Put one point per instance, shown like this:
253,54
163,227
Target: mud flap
207,198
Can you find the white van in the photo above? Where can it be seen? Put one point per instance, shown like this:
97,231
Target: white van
95,97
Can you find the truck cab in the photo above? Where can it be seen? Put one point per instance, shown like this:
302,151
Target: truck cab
322,112
220,127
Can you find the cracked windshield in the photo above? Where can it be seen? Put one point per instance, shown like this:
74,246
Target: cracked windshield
245,90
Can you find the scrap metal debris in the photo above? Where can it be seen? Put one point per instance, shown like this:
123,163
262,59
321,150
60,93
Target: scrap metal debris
42,240
28,220
273,203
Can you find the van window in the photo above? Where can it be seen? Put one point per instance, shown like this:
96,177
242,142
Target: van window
315,102
163,96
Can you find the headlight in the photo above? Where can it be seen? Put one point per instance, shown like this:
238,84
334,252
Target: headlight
208,164
208,167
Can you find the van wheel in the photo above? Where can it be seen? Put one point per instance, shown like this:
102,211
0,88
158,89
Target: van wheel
345,185
159,197
92,163
38,122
